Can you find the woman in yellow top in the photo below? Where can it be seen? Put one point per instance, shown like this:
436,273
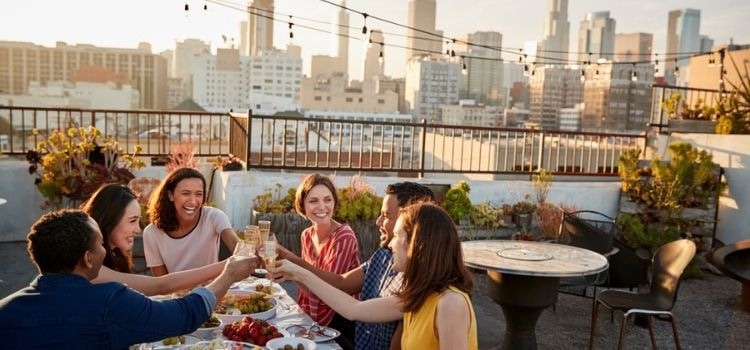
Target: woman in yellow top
434,299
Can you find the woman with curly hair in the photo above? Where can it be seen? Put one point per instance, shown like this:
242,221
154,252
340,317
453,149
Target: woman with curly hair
183,233
115,209
434,299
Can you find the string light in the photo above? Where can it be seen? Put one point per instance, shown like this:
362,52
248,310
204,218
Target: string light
656,65
634,74
676,69
187,9
583,75
205,5
380,55
364,24
291,33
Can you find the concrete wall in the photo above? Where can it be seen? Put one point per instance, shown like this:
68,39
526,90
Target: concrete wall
732,152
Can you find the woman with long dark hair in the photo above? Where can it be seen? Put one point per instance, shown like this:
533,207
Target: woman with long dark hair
434,300
115,209
184,234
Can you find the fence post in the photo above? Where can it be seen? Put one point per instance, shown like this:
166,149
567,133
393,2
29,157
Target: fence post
248,138
424,146
541,152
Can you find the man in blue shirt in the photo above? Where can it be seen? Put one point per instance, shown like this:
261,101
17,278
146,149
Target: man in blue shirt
62,309
375,278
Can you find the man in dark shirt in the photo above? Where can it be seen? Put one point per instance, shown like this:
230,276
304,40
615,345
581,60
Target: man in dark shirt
375,278
62,309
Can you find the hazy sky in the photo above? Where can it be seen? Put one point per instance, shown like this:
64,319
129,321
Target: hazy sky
124,23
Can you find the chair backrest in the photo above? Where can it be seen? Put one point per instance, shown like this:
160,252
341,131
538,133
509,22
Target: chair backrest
576,232
669,263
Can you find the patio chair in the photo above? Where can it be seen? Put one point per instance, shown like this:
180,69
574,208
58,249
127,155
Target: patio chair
580,230
668,264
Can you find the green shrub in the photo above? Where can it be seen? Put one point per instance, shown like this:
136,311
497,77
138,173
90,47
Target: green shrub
456,201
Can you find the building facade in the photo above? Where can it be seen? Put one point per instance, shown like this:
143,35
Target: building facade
615,100
421,15
333,94
552,88
24,62
633,47
430,82
469,112
259,27
556,32
683,35
483,81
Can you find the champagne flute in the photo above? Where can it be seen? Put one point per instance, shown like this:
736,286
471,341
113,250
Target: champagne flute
265,227
268,253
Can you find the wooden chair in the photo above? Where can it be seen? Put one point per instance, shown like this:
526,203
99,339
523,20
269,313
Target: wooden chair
669,262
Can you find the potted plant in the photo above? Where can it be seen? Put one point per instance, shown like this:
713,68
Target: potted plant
486,220
457,203
698,118
359,207
182,155
522,213
64,170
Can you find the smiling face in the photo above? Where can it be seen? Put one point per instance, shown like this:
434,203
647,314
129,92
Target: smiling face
319,205
188,199
400,247
123,234
387,219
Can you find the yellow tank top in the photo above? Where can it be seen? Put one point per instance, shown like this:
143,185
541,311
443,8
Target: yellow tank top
420,331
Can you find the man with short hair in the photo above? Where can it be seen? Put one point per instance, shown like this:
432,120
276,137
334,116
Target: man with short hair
375,278
62,309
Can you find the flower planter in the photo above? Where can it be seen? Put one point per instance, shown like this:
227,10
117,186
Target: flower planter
522,220
232,167
692,126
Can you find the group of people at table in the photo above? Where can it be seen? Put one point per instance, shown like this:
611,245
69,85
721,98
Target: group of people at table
412,293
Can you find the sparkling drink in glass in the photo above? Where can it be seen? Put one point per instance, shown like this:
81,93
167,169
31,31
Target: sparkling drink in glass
268,253
252,235
265,228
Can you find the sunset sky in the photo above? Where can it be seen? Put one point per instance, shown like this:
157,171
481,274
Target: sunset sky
160,22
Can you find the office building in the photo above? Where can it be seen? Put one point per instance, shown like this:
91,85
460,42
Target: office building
260,22
421,15
616,101
555,45
430,83
632,47
483,81
596,36
552,88
683,35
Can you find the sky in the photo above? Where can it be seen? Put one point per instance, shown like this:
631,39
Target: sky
125,23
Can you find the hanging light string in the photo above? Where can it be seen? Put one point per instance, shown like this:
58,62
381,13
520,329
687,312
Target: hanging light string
518,52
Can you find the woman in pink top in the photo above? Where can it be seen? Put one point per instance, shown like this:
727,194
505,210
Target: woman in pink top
327,244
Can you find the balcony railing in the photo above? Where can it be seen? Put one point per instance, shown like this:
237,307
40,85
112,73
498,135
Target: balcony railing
155,131
690,96
296,143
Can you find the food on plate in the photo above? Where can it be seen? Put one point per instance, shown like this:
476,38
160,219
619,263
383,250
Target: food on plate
289,347
252,331
234,304
264,289
218,344
212,322
174,340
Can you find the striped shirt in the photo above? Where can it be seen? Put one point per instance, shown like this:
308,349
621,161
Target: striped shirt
338,255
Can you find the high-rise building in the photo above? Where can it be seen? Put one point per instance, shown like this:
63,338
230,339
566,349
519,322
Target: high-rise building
706,43
430,82
633,47
182,57
512,74
422,16
24,62
483,81
259,27
244,49
616,100
375,57
596,36
396,85
683,36
552,88
342,39
556,32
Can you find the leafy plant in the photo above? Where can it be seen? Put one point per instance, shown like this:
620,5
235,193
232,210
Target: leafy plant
456,201
357,201
65,172
542,183
485,216
271,201
182,155
734,107
549,218
677,108
524,207
649,235
232,162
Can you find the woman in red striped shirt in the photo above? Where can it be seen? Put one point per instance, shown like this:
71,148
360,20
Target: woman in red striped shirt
327,244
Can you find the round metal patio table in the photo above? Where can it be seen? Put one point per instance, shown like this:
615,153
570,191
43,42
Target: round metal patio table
523,279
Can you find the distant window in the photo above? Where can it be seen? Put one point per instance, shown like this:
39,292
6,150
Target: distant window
381,101
349,99
360,100
318,98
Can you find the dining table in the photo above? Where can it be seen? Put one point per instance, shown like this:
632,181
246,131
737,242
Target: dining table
523,278
288,312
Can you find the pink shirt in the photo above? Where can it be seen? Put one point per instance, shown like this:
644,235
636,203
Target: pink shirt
339,254
199,248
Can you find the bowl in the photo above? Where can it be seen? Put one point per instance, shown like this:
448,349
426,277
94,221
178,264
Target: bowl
279,343
209,332
263,315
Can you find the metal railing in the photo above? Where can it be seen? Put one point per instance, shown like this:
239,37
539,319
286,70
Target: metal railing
690,97
21,128
296,143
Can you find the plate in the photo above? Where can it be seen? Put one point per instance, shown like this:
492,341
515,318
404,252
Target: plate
277,290
158,345
209,332
264,315
324,333
279,343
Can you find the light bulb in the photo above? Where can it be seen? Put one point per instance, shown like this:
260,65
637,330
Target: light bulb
583,78
380,58
187,9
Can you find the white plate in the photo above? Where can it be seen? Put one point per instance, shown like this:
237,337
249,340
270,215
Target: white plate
265,315
210,332
328,333
277,290
278,343
219,344
158,345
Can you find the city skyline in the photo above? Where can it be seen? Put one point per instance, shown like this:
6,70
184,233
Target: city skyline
162,23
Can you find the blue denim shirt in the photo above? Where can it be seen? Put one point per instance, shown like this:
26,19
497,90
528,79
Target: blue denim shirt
69,312
380,281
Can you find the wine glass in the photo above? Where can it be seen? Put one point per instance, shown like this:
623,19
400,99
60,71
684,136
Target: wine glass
268,253
265,227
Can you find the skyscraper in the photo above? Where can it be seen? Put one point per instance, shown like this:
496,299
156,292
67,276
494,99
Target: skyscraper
596,36
556,32
342,39
421,16
375,56
483,81
259,27
683,36
552,88
614,101
633,47
430,82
